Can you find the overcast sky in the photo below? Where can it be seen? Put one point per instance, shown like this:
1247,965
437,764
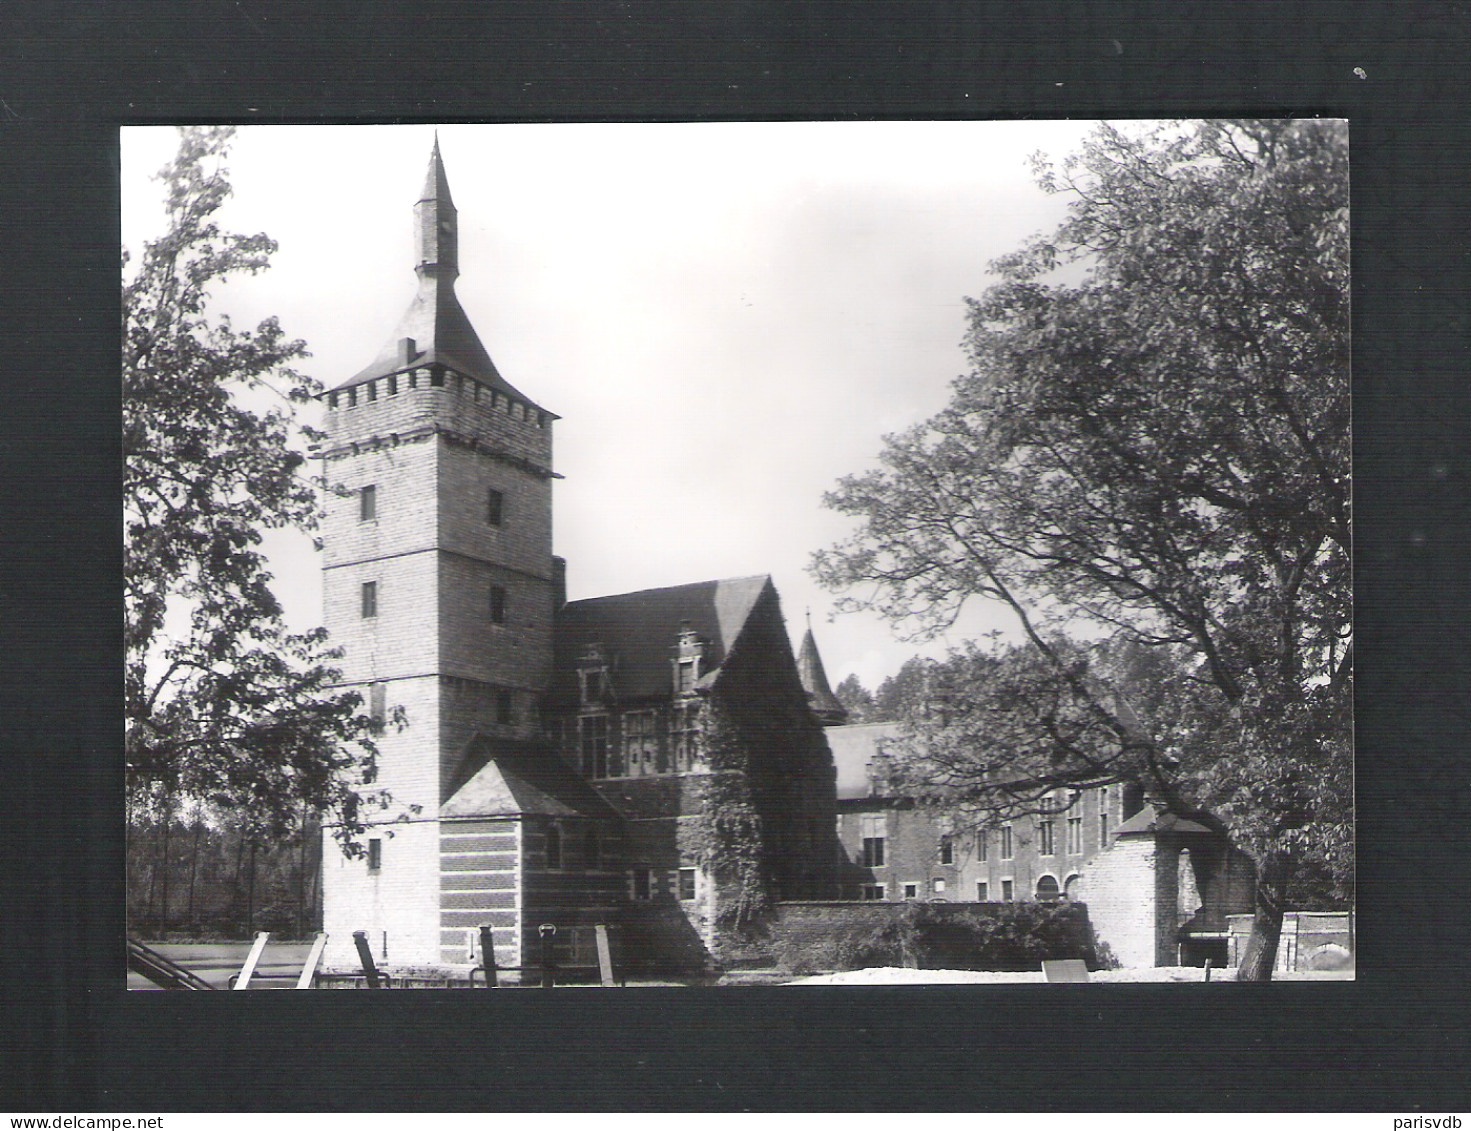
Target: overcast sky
728,317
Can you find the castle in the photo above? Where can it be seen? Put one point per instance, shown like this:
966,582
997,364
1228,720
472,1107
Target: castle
647,760
655,761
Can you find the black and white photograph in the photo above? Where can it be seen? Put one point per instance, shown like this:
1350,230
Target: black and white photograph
942,572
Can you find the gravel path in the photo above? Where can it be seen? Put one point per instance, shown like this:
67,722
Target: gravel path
895,976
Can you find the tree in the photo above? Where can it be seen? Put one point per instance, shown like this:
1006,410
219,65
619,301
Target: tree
1152,447
902,694
856,698
224,704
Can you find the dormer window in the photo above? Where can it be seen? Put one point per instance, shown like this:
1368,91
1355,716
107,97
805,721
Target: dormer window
592,675
688,656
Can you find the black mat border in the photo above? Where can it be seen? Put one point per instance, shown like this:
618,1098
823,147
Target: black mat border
72,72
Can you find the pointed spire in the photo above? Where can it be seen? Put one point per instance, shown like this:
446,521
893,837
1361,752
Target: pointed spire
436,184
436,224
820,697
435,330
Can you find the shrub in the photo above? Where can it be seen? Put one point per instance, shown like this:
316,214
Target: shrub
1015,936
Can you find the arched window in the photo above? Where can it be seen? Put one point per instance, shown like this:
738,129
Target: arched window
1070,888
1047,889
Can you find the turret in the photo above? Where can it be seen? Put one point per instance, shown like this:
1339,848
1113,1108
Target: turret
825,705
436,226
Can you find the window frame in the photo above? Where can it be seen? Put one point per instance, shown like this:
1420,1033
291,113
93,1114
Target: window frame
495,507
375,854
947,850
368,502
692,875
498,602
874,833
368,607
1008,842
1046,836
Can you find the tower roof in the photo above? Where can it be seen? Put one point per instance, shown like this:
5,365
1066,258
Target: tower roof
436,184
435,329
820,696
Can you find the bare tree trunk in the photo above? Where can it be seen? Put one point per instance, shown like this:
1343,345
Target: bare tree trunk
250,896
194,864
148,915
239,871
301,880
168,821
1266,926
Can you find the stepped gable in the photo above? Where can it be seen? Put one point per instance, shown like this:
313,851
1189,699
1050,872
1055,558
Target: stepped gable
435,330
511,778
825,705
638,632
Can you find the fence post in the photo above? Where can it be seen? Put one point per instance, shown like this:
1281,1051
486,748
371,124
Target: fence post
605,955
487,955
242,979
313,959
365,956
548,932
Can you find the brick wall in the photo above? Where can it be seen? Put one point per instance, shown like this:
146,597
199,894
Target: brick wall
582,889
403,891
913,848
398,905
481,862
1121,887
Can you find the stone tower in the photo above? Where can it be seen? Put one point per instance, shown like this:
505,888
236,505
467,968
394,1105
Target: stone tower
439,585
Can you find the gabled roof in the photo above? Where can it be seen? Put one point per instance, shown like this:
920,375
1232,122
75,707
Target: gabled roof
520,779
1152,820
638,632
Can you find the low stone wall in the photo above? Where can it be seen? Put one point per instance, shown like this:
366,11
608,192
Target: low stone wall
1311,940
